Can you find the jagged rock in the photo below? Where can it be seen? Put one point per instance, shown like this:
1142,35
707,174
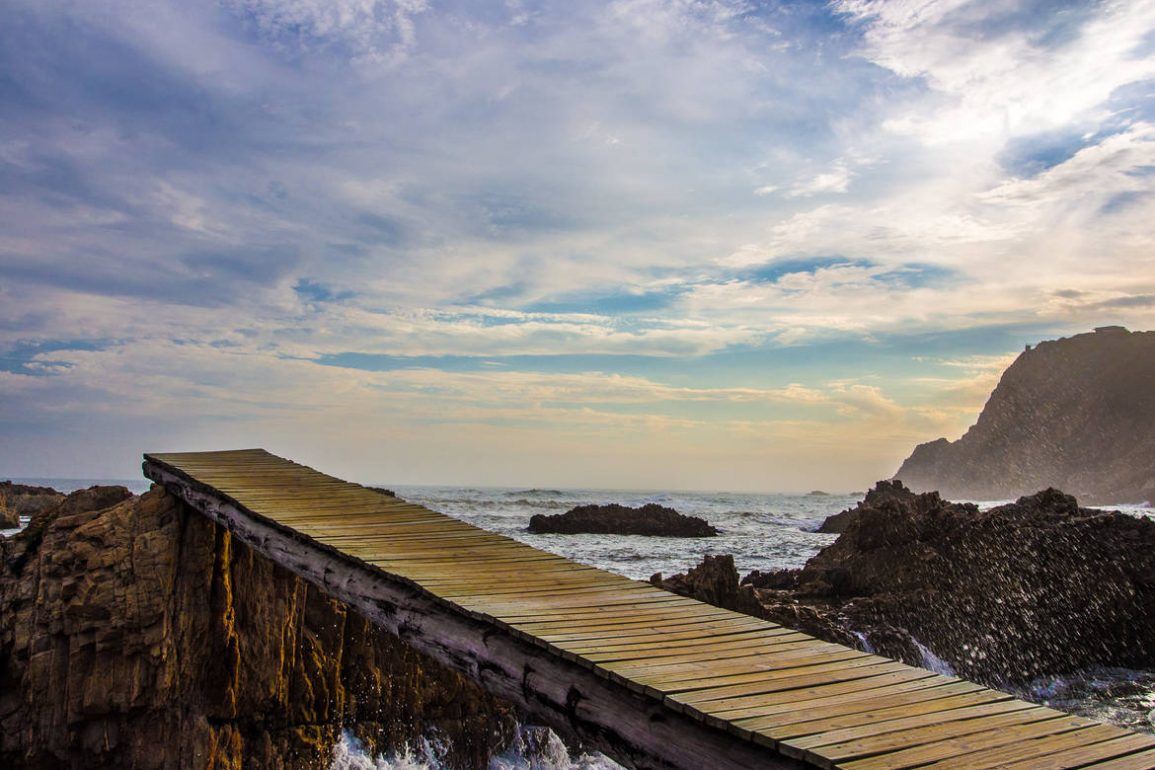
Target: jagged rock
1077,414
714,581
884,495
135,633
1039,586
18,500
614,519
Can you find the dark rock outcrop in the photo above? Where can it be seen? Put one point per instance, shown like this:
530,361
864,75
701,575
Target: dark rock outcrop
1039,586
714,581
1076,414
135,633
885,495
614,519
18,500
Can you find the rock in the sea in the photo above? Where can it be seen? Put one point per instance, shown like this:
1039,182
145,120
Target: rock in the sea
136,633
1076,414
1039,586
714,581
614,519
884,494
18,500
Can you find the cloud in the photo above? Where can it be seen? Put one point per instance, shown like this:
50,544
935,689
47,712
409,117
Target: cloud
378,30
836,180
613,218
1005,70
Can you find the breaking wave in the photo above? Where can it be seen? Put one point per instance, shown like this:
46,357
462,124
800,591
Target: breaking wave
533,748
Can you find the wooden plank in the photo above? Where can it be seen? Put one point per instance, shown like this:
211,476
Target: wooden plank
1144,760
871,745
794,677
1045,752
761,656
652,651
847,698
735,709
801,724
921,755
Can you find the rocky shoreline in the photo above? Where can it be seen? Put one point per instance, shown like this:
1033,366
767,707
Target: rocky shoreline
171,645
1037,587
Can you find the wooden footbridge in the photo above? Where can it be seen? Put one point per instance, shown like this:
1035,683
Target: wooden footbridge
652,679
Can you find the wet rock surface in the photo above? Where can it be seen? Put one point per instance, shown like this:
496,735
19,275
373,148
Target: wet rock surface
1037,587
1077,414
614,519
135,633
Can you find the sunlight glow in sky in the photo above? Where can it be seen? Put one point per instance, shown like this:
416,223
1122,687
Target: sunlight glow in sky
708,244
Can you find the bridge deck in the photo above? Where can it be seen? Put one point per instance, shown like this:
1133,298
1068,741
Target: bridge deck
790,694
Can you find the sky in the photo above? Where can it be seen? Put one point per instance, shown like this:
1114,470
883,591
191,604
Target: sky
645,244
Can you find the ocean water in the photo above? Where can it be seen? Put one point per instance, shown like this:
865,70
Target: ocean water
761,531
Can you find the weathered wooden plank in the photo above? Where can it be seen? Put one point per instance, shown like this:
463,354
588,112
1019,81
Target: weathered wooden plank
1143,760
1045,752
925,734
845,698
917,756
800,724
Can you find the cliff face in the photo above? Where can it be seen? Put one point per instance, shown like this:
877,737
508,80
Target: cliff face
1077,414
142,635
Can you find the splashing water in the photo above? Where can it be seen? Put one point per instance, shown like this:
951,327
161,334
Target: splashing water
1121,696
350,754
539,748
533,748
932,662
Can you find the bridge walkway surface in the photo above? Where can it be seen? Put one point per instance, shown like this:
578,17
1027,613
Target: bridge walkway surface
651,678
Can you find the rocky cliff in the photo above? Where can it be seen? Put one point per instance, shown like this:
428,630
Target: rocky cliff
135,633
1077,414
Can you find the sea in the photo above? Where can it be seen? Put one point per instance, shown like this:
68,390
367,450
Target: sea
761,531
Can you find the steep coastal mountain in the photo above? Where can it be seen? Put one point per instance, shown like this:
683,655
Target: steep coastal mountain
1077,414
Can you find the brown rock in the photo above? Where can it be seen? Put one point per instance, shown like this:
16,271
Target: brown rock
714,581
142,635
1077,414
18,500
